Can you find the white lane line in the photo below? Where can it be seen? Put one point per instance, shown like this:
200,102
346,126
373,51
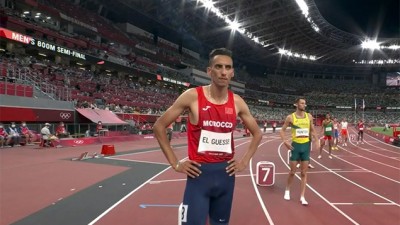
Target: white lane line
382,142
165,181
125,197
138,153
358,185
282,173
315,191
367,158
257,191
353,164
372,150
363,203
150,151
132,192
364,157
142,161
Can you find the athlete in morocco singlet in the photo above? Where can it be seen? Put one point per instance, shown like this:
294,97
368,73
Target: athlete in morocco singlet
211,165
210,142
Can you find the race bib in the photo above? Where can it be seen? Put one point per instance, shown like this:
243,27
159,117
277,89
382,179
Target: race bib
215,142
361,128
328,128
302,132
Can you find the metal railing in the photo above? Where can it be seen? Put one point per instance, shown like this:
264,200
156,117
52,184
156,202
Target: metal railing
42,87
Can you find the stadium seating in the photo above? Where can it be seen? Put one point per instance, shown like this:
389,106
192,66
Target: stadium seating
122,94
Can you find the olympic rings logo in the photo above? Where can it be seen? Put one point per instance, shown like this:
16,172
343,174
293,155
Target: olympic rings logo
65,115
78,142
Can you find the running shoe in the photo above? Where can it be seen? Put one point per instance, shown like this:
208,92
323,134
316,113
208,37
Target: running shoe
303,201
287,195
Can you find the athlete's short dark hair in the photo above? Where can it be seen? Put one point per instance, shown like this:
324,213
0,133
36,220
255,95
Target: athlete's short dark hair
299,98
218,51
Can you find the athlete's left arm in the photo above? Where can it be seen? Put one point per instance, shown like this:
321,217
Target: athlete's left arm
312,131
324,123
243,112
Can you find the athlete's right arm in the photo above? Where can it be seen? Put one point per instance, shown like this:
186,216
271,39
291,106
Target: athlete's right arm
287,122
184,101
313,132
321,132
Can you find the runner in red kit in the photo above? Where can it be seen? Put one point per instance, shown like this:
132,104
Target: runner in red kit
360,128
211,166
343,131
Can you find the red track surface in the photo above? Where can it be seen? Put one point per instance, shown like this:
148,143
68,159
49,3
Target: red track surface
361,185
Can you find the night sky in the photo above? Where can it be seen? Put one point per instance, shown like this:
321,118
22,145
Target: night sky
363,17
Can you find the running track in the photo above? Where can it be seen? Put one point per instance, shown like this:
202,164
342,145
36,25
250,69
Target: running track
360,185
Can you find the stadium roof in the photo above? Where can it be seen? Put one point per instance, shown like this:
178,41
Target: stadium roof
269,32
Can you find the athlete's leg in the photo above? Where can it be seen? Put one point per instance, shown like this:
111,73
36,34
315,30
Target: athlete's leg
221,200
344,138
334,140
169,134
305,160
321,146
292,172
336,143
304,169
362,137
330,142
195,204
294,160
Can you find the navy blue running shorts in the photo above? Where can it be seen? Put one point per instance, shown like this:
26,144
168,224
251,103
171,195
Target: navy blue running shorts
208,195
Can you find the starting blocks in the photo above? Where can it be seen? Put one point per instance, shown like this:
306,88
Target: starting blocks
86,155
83,156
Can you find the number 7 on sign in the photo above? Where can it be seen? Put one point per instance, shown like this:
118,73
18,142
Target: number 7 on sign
265,173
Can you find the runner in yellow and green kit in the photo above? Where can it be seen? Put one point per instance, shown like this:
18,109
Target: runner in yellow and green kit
327,127
302,126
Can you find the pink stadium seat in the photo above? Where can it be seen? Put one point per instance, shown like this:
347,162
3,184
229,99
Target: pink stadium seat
3,70
28,91
20,90
2,88
10,89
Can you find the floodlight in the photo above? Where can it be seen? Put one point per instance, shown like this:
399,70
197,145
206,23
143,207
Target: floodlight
208,4
234,25
370,44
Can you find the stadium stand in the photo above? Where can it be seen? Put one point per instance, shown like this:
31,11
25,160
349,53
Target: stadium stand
132,79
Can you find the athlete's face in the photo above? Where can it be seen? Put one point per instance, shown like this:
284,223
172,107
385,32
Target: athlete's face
221,70
301,105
